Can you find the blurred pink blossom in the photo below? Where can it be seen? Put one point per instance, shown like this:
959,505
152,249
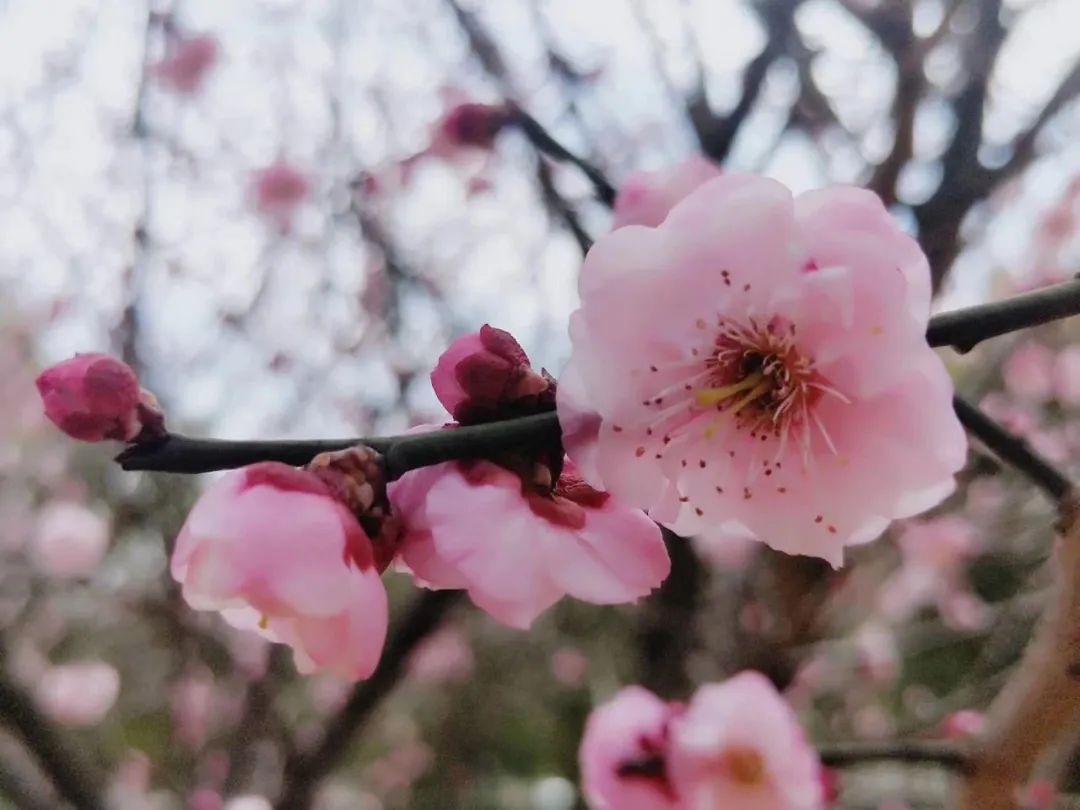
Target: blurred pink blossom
762,359
278,190
1018,416
205,799
1028,372
78,694
623,755
533,546
878,657
273,550
1067,376
729,548
1040,794
963,723
251,802
470,125
187,62
442,657
94,397
569,666
194,707
70,540
738,745
645,198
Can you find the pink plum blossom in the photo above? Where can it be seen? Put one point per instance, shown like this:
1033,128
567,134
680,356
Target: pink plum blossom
186,64
277,190
79,693
762,359
738,746
963,723
933,571
442,657
623,755
94,397
878,657
484,374
1028,372
273,550
70,541
533,545
645,198
1067,376
569,666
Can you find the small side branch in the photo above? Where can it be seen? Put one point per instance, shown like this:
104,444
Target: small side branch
303,772
945,755
1013,450
544,142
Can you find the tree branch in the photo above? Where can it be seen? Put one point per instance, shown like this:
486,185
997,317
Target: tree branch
304,771
947,755
1013,450
1040,704
75,780
545,143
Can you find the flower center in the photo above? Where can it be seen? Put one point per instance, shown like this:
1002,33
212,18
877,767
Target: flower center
744,766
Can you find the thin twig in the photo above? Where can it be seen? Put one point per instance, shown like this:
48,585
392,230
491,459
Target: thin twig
75,780
945,754
543,141
1014,450
304,771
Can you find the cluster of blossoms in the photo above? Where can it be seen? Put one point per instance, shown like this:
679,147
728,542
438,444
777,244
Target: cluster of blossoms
747,366
735,745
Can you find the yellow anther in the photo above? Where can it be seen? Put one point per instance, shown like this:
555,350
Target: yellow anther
707,397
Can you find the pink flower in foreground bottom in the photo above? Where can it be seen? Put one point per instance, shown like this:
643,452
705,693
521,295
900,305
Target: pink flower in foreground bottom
272,549
762,359
94,397
739,747
647,197
479,527
623,754
78,694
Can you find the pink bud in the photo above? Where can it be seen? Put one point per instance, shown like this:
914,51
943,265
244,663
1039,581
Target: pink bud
964,723
93,397
278,190
1040,794
486,374
78,694
188,61
70,541
474,125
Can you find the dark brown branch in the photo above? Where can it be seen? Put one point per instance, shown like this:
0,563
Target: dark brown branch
1014,450
304,771
946,755
23,795
545,143
964,328
75,780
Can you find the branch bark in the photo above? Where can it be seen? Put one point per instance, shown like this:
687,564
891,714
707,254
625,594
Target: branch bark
1040,703
944,754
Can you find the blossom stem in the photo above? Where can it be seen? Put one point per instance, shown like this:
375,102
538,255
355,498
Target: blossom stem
303,771
947,755
964,328
1014,450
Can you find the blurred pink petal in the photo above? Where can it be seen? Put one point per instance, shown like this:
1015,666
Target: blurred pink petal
1067,376
738,746
444,657
1028,372
278,190
645,198
78,694
94,397
623,755
569,666
762,359
963,723
186,64
272,549
70,541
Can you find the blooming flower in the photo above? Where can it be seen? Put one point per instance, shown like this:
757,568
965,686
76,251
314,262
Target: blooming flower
94,397
272,549
278,189
533,545
70,540
78,694
623,753
187,63
485,375
763,360
645,198
738,747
